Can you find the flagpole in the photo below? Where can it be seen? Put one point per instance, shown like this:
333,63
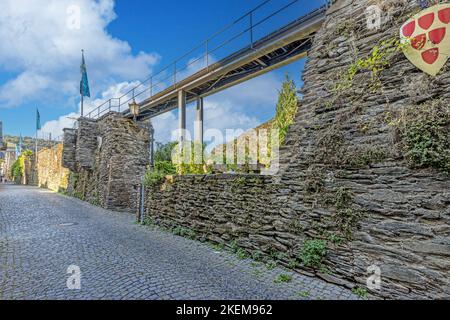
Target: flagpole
38,125
36,147
81,90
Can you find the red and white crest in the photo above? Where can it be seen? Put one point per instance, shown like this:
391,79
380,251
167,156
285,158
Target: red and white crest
428,36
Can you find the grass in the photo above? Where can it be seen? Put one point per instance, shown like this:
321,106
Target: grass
360,292
241,254
217,246
304,294
258,273
271,265
283,278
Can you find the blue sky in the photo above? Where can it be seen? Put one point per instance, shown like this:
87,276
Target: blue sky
125,41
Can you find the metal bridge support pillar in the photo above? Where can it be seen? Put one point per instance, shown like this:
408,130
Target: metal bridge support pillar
199,121
182,117
151,132
198,132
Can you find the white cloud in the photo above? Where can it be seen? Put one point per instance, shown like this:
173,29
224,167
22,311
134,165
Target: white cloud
239,107
45,54
261,91
55,127
42,48
25,85
236,108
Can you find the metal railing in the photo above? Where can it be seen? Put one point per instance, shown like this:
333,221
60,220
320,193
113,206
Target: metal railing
172,74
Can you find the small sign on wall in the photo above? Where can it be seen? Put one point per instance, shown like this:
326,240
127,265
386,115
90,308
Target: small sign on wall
428,36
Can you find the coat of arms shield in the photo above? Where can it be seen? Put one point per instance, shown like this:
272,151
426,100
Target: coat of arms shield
428,36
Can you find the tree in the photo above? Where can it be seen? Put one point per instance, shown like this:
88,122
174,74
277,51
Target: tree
164,151
287,107
18,167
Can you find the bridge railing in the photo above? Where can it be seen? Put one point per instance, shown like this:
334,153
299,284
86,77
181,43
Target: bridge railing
242,33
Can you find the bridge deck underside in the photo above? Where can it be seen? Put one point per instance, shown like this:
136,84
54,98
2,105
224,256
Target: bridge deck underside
273,51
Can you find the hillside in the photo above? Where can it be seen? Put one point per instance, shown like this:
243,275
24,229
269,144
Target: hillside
28,142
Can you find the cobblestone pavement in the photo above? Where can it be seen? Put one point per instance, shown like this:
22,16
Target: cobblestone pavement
122,260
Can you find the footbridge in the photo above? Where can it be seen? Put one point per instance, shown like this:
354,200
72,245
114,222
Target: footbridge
189,79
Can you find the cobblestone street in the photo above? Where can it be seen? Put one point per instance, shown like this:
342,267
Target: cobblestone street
42,234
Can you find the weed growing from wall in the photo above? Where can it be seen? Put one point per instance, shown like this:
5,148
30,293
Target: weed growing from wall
313,253
378,60
424,133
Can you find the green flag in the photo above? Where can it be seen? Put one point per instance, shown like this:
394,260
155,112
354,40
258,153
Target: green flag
38,120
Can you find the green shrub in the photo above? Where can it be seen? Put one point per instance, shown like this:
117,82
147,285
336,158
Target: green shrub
189,159
159,172
166,167
153,178
163,152
313,252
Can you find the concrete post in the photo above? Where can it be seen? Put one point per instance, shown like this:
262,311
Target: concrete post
182,116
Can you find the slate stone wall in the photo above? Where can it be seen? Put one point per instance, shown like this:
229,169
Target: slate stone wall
86,144
69,151
344,176
111,157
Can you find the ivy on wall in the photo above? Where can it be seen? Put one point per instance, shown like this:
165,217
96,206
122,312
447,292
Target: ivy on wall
424,134
18,167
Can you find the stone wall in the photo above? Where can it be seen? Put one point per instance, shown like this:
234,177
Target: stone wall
86,143
69,158
111,156
351,145
344,179
220,208
50,173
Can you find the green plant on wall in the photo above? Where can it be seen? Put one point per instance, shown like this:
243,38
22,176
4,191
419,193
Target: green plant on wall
425,135
365,155
346,217
375,62
313,253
